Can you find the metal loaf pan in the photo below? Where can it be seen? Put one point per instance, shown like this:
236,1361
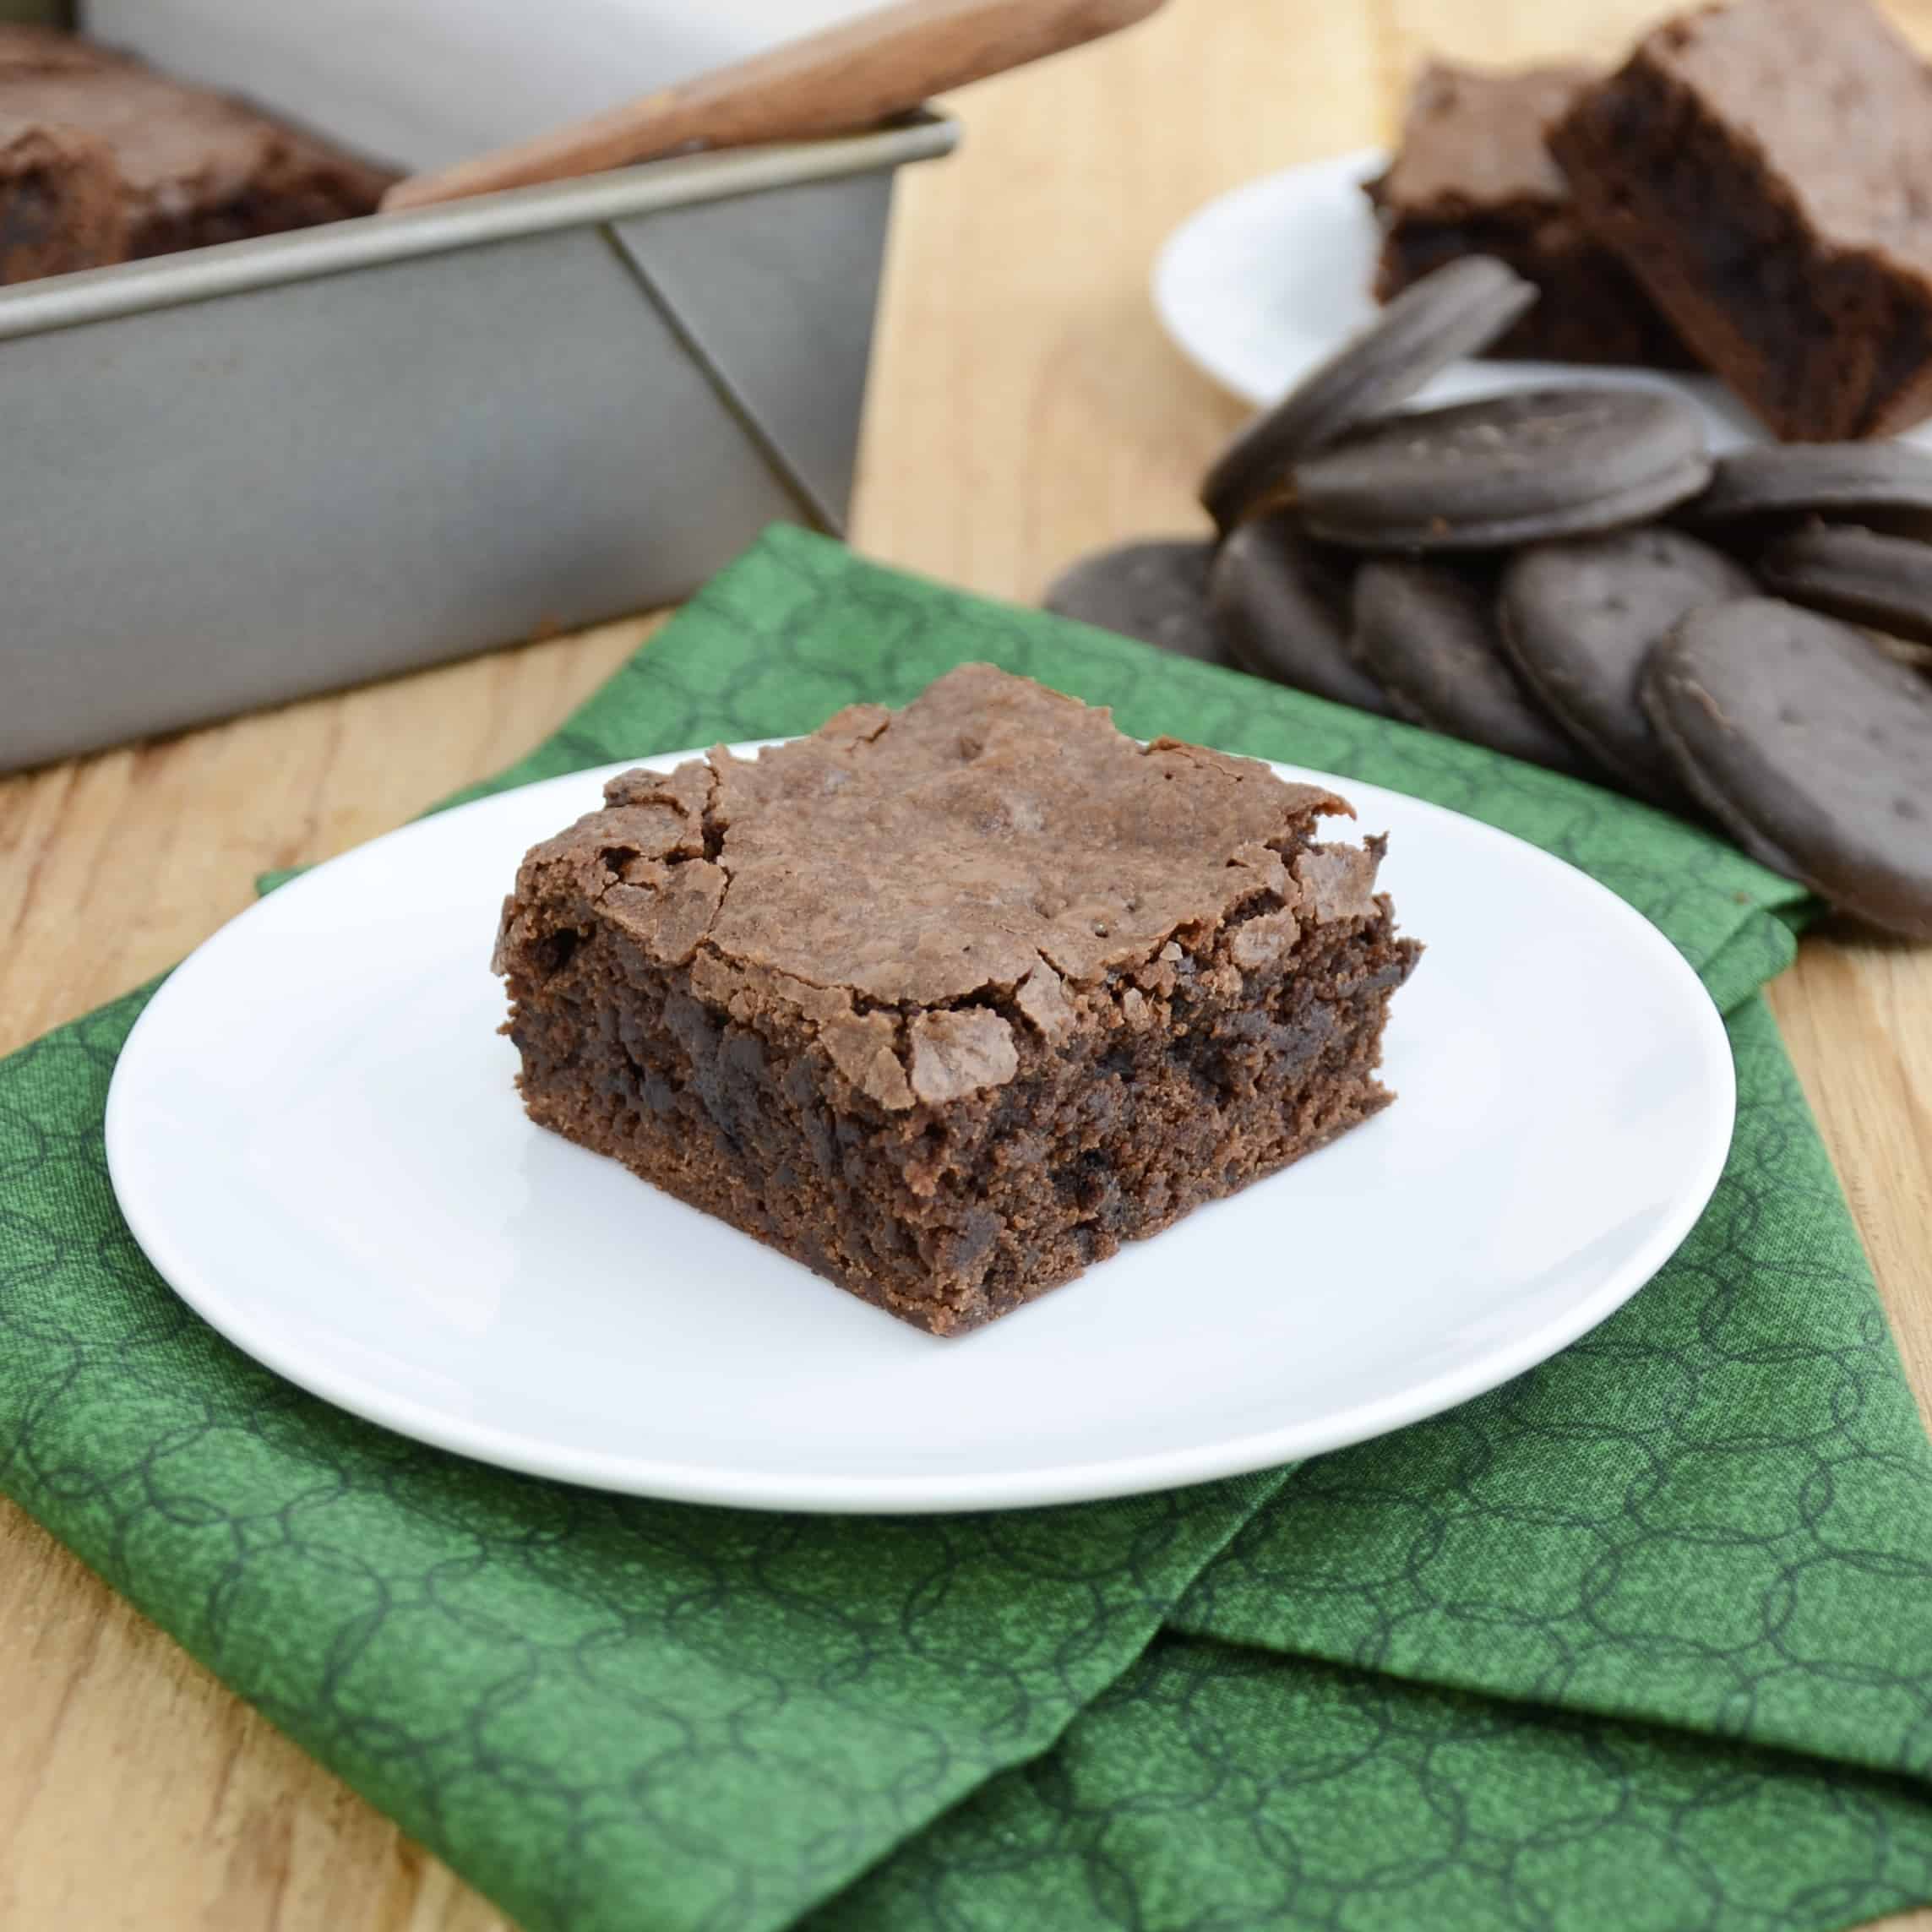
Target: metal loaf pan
235,476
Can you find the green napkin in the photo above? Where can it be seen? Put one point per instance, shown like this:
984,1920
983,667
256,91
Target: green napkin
1644,1638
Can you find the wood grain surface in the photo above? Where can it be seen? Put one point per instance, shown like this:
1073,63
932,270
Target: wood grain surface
1024,407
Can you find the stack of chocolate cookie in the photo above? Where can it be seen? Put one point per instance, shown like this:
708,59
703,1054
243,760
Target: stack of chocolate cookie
1565,575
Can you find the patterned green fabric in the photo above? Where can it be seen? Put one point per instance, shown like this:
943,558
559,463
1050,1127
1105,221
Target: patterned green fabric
1643,1639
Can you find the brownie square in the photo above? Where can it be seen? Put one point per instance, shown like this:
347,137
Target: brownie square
948,1002
1473,176
189,166
1765,168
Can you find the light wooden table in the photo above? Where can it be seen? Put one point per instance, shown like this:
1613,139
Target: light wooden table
1023,408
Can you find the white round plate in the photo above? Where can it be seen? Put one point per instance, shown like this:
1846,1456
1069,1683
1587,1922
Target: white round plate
1261,285
313,1135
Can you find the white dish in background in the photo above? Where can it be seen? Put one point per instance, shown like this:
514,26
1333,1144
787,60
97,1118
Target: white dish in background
313,1135
1260,285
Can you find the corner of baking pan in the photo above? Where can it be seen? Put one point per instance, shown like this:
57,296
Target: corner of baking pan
268,261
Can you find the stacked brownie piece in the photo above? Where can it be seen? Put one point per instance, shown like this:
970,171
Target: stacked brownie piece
1749,187
103,160
1766,169
1474,175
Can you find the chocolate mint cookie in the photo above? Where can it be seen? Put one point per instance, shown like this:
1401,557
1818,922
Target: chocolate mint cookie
1510,469
1156,591
1427,634
1885,486
1580,617
1862,574
1284,609
1456,312
1811,745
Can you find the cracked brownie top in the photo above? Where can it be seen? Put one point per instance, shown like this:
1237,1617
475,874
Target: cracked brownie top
914,884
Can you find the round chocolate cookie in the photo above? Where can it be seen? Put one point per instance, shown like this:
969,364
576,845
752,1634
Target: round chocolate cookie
1510,469
1579,619
1849,572
1427,634
1772,485
1284,609
1154,591
1458,311
1811,745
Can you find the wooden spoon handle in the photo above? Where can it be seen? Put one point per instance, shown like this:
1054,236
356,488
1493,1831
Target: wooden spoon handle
849,76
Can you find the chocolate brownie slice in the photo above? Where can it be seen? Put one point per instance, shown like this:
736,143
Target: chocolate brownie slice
948,1002
189,166
1474,176
1765,167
